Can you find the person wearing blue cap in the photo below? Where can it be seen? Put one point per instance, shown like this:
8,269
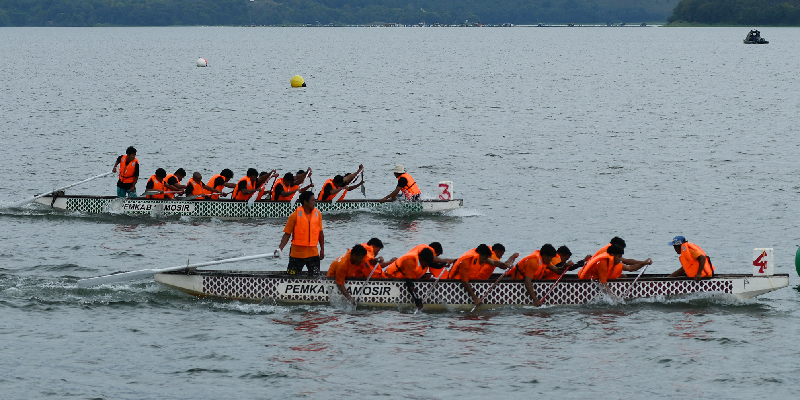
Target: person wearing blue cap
695,263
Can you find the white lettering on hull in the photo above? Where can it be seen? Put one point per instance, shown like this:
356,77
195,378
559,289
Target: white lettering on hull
147,206
320,290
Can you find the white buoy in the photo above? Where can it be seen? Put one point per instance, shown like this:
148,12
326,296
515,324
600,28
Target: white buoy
201,62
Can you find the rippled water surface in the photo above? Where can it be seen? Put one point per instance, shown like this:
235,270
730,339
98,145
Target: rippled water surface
566,136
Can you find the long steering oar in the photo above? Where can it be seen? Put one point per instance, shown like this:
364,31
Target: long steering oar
296,194
377,265
491,288
26,201
630,289
554,285
126,276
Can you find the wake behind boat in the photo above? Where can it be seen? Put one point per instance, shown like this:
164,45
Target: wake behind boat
230,209
449,294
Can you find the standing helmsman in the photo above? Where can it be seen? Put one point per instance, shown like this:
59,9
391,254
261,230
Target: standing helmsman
695,263
128,173
405,184
304,227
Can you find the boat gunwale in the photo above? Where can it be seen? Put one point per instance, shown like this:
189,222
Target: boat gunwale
84,196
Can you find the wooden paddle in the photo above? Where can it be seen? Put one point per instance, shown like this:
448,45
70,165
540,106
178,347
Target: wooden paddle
627,292
491,288
26,201
338,196
377,265
412,290
428,293
566,268
296,194
131,275
363,191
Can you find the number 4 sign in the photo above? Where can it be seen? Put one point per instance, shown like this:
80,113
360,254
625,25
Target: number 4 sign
763,262
446,190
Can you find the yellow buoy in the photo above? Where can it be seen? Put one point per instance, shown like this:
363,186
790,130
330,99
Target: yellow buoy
297,81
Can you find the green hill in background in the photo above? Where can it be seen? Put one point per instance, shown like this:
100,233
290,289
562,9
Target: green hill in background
325,12
737,12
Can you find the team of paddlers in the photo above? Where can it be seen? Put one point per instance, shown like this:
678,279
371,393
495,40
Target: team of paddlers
304,229
166,186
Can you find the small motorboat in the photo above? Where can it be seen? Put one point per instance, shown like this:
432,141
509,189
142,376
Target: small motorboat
754,37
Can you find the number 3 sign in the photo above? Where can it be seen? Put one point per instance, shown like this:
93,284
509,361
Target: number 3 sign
446,190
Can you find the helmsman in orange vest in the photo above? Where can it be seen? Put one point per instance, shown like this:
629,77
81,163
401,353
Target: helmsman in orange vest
405,184
304,227
695,263
128,173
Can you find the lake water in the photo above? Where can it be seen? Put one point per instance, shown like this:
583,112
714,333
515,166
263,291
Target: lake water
551,135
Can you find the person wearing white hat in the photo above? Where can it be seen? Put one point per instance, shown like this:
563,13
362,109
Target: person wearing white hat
405,184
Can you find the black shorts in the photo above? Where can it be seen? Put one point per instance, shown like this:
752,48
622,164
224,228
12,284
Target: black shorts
296,265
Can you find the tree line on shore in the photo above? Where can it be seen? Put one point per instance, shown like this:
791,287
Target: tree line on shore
737,12
325,12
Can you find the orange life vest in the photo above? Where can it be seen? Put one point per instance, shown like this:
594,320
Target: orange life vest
393,270
690,264
332,195
127,169
589,271
410,189
157,185
212,195
250,185
464,265
197,188
166,181
306,228
486,270
282,197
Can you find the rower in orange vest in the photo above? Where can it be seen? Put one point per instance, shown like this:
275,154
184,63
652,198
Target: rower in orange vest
487,270
173,182
156,184
374,246
220,182
617,272
284,188
607,266
436,268
412,265
196,187
304,227
128,173
247,186
348,266
471,262
535,265
405,184
332,187
263,178
693,260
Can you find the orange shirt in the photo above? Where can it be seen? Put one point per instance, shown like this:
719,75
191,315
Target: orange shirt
342,268
407,267
688,258
300,251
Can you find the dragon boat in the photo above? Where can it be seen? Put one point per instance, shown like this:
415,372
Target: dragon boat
281,288
226,209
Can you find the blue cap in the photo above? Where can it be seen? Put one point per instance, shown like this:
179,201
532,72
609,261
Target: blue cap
677,241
